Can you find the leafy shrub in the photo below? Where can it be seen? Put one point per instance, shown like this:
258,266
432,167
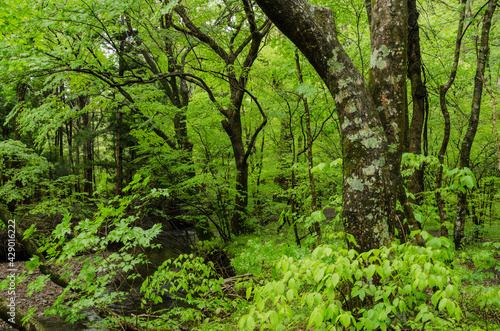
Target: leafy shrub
257,255
191,282
393,287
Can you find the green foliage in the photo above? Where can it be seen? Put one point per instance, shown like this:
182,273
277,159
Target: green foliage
21,169
92,285
392,287
462,179
258,257
194,285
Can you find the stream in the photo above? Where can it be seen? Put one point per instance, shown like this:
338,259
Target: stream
174,243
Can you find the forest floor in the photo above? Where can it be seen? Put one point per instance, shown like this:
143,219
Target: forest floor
468,265
41,300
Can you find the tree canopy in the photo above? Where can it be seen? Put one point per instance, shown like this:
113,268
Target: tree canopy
366,123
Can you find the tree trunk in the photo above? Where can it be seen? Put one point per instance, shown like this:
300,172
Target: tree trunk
87,152
372,120
309,155
14,316
234,131
482,59
237,82
446,116
419,96
119,153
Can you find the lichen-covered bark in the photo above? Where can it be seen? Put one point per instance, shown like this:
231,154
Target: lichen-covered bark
482,59
369,189
388,71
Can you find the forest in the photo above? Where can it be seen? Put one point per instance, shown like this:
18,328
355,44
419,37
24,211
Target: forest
249,165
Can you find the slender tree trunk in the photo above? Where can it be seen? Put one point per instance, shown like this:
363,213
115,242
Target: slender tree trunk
119,154
494,109
447,126
260,163
234,131
419,95
87,152
77,168
482,59
309,141
293,207
69,138
61,143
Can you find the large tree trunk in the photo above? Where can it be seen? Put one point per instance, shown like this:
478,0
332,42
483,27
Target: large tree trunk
371,161
372,119
482,59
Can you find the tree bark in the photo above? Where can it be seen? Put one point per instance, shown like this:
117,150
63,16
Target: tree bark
371,119
447,126
119,153
87,158
309,155
419,95
482,59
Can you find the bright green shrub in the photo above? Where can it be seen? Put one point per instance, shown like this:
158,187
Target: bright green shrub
399,286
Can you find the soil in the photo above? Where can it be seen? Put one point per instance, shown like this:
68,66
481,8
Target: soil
42,300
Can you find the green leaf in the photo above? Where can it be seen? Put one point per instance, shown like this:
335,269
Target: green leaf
370,271
280,287
335,279
345,319
250,323
310,299
318,275
29,231
443,303
320,167
273,318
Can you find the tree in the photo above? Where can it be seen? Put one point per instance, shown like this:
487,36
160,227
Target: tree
443,90
482,60
372,116
419,98
237,61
